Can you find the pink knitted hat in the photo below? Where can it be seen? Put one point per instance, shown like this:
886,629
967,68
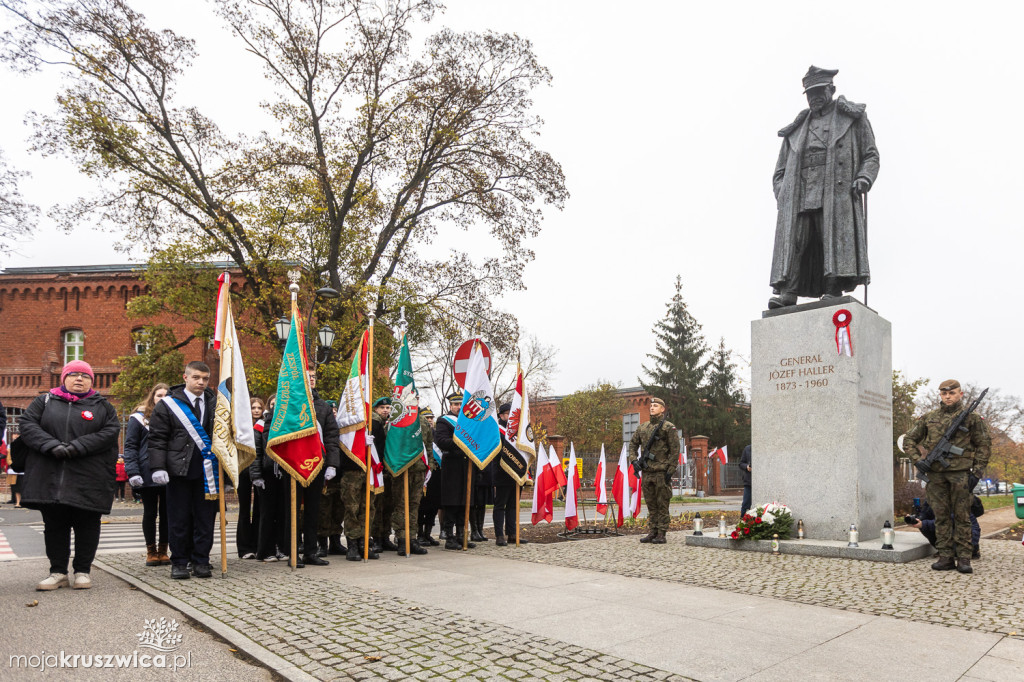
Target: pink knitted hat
76,366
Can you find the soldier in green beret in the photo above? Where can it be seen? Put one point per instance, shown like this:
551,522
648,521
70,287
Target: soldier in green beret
949,489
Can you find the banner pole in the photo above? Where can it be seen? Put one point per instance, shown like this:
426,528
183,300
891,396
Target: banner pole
469,491
369,432
519,506
295,519
408,550
223,524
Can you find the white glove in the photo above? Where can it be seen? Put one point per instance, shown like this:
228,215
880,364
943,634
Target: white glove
259,483
330,473
369,439
135,481
160,477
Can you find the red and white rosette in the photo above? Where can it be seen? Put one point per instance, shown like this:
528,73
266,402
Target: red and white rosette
844,344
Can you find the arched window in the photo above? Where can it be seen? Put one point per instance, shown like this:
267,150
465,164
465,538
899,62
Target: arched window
74,345
140,340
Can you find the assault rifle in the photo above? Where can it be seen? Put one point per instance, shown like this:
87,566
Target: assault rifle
645,454
944,448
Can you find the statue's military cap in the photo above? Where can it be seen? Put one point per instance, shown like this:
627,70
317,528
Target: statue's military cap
816,77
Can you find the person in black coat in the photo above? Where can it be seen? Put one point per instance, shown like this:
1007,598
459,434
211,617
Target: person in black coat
177,462
745,472
454,468
506,502
267,477
140,477
70,435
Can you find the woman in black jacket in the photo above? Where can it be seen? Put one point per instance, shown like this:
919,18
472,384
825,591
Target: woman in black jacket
71,433
140,476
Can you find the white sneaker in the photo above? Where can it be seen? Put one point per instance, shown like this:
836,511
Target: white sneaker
55,581
82,581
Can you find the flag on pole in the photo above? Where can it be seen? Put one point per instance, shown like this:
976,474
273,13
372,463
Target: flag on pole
682,455
626,488
405,435
352,410
571,516
722,454
599,485
543,489
476,430
234,442
556,468
293,440
519,434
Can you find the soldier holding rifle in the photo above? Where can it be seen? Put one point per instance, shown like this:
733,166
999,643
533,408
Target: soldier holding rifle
949,475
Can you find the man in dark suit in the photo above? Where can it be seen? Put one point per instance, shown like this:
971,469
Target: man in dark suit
178,461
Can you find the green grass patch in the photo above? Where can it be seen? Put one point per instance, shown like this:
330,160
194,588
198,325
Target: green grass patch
996,501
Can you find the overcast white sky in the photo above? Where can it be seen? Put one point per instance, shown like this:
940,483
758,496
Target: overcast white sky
664,117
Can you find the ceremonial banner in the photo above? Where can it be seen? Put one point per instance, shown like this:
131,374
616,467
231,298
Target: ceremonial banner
571,515
293,440
476,430
234,442
354,406
405,436
599,485
518,448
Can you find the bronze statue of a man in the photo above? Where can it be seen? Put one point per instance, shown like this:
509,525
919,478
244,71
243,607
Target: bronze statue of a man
827,163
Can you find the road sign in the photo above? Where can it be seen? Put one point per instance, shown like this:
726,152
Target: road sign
461,363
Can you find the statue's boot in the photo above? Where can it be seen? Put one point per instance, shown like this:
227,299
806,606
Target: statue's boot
781,301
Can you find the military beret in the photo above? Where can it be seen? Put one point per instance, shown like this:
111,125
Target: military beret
331,403
815,77
382,401
454,397
507,407
949,385
658,401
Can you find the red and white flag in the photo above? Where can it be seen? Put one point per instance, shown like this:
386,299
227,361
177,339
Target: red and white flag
556,469
722,454
599,486
682,455
572,518
626,488
543,489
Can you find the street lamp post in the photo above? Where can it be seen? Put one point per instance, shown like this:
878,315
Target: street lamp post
325,335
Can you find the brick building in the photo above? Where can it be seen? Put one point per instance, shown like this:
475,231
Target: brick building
51,315
701,473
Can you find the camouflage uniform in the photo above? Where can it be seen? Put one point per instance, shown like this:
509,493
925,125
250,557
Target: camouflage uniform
656,479
353,497
948,492
332,509
417,472
380,518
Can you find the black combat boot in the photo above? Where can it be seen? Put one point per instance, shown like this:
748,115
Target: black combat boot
964,566
388,546
481,514
500,541
354,551
315,560
459,538
649,537
321,547
427,540
945,563
414,548
334,546
474,528
659,539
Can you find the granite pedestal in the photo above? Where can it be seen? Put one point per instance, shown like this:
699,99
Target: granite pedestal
822,421
907,546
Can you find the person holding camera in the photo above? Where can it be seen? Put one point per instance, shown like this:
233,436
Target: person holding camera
659,441
925,522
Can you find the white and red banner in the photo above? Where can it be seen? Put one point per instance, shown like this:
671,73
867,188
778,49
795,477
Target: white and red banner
572,518
599,485
626,488
544,487
682,455
722,454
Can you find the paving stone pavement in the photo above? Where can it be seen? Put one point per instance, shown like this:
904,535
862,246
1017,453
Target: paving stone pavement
331,630
989,600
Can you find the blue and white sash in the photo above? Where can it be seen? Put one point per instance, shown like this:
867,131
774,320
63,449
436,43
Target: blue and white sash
183,411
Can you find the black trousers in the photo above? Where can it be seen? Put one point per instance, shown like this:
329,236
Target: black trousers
154,505
248,527
505,510
455,518
309,498
190,521
273,531
59,520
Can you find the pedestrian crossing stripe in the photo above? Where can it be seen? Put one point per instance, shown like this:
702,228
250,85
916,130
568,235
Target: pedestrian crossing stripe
6,552
120,538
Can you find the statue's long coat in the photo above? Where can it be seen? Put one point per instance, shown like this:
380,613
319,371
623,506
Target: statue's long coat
851,154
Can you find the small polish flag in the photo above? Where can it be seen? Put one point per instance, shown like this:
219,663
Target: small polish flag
571,516
722,454
599,485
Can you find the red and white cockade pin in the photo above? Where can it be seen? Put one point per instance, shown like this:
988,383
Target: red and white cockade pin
87,415
842,320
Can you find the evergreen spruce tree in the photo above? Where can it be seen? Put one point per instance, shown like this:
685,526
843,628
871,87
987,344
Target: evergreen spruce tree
680,367
726,423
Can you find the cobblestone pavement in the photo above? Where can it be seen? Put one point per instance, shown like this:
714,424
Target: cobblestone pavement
335,631
989,600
